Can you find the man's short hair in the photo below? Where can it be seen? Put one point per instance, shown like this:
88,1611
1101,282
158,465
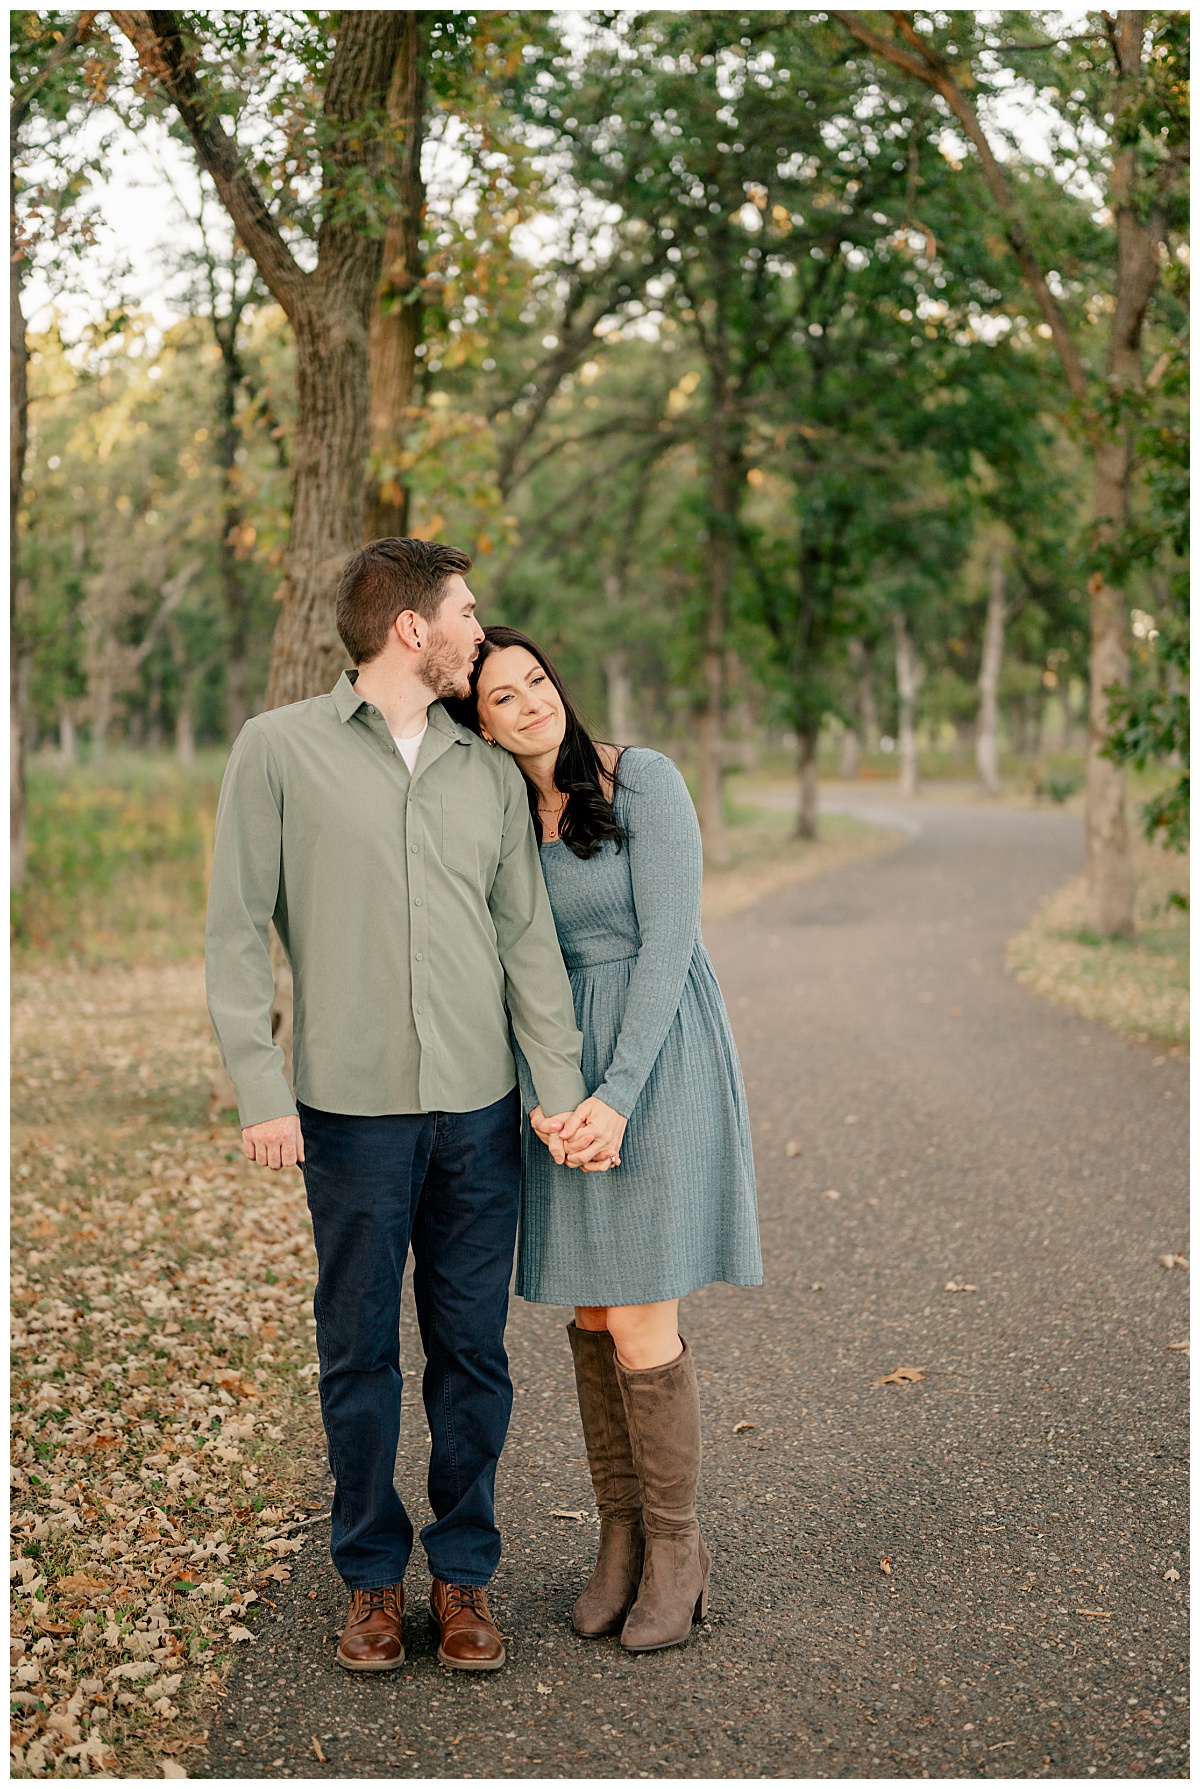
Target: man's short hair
383,579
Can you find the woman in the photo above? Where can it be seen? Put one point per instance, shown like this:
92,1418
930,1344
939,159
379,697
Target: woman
665,1203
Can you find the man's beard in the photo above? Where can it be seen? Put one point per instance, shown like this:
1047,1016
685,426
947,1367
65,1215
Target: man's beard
444,670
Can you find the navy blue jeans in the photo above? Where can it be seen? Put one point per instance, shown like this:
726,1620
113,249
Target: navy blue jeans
449,1183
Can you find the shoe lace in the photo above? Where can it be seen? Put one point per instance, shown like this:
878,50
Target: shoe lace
382,1598
466,1596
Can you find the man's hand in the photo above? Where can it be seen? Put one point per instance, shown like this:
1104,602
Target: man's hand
275,1143
549,1130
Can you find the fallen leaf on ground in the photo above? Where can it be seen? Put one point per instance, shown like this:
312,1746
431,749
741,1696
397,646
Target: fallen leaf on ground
1096,1614
740,1428
1180,1348
237,1634
570,1515
1174,1261
169,1768
885,1566
903,1376
1171,1576
543,1689
316,1745
954,1286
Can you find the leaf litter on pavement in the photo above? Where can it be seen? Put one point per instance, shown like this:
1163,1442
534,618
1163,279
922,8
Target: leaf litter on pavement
161,1297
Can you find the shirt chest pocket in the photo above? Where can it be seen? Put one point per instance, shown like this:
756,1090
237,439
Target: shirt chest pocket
471,831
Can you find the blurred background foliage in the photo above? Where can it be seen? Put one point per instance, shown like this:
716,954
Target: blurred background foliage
713,317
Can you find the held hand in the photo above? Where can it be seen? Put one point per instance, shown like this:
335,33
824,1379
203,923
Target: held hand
594,1135
275,1143
549,1131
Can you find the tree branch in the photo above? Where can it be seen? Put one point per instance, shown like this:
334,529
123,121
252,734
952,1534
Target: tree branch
165,58
927,68
62,52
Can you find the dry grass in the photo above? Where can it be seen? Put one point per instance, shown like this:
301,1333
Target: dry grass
162,1353
1140,988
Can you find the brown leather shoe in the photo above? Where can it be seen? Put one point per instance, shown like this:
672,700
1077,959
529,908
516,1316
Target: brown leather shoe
373,1637
468,1638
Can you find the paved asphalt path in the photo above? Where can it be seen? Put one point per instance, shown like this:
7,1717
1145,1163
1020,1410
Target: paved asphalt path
1028,1494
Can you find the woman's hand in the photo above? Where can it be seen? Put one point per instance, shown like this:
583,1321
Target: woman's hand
549,1131
592,1137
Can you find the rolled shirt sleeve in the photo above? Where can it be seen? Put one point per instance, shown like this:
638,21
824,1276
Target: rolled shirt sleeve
244,892
537,989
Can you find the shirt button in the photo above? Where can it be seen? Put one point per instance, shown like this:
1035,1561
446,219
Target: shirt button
414,849
392,750
420,958
420,1010
417,902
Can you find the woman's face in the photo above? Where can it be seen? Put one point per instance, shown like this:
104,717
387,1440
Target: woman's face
519,707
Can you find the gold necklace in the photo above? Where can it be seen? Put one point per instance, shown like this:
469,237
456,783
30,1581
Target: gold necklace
550,824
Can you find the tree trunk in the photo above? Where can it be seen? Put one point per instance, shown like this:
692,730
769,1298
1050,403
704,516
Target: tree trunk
235,596
848,764
327,498
620,697
101,700
66,735
329,308
1109,863
396,322
806,766
910,674
185,724
18,418
867,706
718,578
987,734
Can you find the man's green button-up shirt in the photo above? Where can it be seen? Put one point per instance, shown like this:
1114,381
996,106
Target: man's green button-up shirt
412,910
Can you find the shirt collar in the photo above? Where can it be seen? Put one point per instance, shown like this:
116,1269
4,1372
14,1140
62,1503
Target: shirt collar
346,699
347,702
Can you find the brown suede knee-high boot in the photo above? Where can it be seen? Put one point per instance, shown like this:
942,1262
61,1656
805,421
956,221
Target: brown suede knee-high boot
604,1603
662,1408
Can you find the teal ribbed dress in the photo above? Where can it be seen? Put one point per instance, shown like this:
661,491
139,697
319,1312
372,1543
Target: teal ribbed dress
680,1211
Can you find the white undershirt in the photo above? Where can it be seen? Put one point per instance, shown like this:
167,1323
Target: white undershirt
408,748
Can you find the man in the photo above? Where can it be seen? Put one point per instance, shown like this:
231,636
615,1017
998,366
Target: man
395,854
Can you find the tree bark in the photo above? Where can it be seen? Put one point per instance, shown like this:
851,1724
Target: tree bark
329,310
1109,862
397,324
723,470
18,651
806,768
987,741
66,735
910,674
620,696
235,596
848,762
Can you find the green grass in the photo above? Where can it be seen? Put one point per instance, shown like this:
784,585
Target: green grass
118,858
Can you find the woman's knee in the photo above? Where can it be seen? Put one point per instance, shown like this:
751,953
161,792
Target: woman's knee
592,1316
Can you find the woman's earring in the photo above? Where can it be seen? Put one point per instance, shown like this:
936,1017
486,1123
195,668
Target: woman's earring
488,741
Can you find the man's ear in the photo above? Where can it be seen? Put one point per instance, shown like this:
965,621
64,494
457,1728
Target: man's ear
410,629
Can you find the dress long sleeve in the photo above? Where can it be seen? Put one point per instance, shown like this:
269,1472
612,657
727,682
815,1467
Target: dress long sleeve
665,867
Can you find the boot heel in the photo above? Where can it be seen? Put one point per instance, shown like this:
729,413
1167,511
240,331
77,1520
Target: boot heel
701,1609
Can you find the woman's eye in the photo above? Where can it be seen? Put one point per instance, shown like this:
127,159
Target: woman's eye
536,680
